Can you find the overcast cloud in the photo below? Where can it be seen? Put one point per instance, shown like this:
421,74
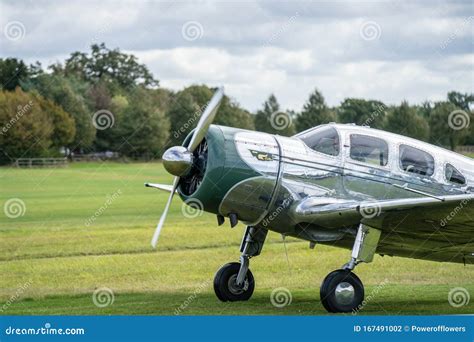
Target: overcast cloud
390,50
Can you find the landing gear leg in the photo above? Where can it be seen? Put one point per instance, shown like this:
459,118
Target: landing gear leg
234,281
342,290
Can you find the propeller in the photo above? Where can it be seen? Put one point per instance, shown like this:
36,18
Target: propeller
178,160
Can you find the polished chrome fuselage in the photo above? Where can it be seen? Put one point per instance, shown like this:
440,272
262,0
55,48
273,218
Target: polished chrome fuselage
288,171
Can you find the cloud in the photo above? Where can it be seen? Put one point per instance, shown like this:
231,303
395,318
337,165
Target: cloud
420,51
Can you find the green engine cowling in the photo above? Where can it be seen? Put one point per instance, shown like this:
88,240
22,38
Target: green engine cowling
232,178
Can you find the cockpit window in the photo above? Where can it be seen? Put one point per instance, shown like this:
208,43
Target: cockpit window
453,175
416,161
369,150
324,140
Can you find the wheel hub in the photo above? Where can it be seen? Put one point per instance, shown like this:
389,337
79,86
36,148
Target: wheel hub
344,293
234,288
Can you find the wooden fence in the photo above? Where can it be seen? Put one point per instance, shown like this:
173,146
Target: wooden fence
465,149
41,162
94,157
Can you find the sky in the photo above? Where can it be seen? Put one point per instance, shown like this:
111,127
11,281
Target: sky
389,50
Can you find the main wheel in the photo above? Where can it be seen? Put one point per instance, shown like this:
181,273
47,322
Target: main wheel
341,291
225,284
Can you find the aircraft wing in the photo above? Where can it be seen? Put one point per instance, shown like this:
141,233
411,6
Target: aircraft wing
312,208
439,228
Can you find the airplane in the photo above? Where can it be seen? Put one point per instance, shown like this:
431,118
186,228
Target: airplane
342,185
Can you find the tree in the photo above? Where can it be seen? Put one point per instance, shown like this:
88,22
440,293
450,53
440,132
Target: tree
463,101
31,126
406,121
144,128
107,65
231,114
448,125
315,112
12,73
363,112
425,109
67,92
187,106
64,129
272,120
183,115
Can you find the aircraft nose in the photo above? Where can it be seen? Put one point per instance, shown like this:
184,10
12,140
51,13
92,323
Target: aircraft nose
177,160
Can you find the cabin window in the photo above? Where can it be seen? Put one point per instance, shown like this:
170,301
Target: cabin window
325,140
453,175
416,161
369,150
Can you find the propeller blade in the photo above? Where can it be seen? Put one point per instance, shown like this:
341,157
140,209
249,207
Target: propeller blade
156,235
163,187
206,119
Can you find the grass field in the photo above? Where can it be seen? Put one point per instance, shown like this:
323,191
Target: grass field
88,227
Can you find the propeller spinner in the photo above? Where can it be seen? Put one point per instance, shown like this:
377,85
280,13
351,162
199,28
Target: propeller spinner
178,160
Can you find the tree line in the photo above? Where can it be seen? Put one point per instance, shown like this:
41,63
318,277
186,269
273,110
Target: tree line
105,100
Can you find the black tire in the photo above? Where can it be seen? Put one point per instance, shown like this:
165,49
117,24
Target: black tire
224,279
341,303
